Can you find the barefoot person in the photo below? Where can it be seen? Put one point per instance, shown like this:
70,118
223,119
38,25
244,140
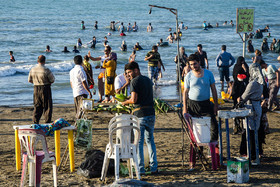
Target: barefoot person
142,97
223,65
42,78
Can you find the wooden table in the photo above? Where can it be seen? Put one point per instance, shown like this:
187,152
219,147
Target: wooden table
57,145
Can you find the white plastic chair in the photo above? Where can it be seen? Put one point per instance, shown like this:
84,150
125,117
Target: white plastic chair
29,139
121,127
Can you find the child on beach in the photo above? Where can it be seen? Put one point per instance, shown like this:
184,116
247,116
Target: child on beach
12,58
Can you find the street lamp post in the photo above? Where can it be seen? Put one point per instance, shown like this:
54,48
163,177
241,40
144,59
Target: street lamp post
175,12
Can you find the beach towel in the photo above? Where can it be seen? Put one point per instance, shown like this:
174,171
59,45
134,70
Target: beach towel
49,129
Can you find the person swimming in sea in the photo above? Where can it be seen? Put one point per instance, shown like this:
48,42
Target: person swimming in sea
65,50
123,46
161,43
48,49
95,25
83,25
122,33
79,43
12,58
75,50
204,25
137,47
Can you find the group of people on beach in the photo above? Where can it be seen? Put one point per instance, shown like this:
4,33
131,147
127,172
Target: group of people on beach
249,84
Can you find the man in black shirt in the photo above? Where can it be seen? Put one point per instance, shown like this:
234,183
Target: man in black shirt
202,55
142,97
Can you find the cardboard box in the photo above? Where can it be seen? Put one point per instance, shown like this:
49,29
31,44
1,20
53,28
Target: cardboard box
238,170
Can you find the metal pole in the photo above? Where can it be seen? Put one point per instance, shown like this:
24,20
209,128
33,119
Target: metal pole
244,44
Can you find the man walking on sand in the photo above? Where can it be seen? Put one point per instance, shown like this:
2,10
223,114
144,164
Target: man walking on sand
42,78
223,65
142,97
79,84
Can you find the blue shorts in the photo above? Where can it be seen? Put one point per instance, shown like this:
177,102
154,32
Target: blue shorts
224,73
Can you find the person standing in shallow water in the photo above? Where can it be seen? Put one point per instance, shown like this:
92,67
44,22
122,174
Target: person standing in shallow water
223,65
42,78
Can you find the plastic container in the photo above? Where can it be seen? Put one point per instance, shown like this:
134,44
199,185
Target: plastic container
201,129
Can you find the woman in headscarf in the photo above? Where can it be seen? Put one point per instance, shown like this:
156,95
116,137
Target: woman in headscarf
252,95
240,77
88,70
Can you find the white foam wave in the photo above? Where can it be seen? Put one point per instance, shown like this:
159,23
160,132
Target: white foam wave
13,69
166,82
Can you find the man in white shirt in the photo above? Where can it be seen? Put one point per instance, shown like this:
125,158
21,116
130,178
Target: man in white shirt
79,85
121,83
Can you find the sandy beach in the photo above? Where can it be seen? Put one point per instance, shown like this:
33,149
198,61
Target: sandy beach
168,140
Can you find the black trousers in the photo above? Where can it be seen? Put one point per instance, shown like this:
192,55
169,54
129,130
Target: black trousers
42,99
204,108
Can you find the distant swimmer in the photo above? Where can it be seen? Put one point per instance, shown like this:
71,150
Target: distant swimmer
161,43
65,50
132,57
75,50
121,27
209,25
204,25
122,33
83,25
113,25
105,41
186,27
169,30
179,32
231,23
250,47
170,38
217,24
92,43
123,46
48,49
135,27
12,58
268,35
137,47
79,43
181,26
95,25
176,37
149,28
225,23
264,46
129,27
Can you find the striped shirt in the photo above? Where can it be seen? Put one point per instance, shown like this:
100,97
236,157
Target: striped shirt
40,75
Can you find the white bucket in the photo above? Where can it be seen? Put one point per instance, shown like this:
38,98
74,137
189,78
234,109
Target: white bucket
201,129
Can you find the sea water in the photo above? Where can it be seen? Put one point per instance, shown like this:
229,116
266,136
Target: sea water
28,26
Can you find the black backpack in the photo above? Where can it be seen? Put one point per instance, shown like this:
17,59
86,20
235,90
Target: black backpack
92,166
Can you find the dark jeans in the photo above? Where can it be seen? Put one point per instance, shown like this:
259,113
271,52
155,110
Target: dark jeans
42,100
77,102
204,108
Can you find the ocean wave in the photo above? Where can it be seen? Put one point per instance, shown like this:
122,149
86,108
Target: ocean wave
166,82
14,69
